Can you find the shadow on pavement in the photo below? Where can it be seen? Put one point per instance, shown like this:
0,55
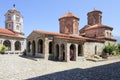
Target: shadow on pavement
104,72
29,57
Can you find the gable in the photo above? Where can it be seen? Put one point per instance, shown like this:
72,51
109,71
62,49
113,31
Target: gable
34,34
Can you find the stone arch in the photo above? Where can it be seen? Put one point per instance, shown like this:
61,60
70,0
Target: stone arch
72,52
50,47
80,51
33,48
17,45
63,51
40,46
57,52
29,46
95,49
7,43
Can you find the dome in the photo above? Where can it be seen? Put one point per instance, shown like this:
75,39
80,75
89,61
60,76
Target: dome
69,15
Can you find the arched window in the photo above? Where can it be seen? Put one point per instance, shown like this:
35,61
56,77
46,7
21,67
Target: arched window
50,47
17,45
17,27
9,17
40,46
7,43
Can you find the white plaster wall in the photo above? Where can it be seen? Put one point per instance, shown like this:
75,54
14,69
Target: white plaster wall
12,44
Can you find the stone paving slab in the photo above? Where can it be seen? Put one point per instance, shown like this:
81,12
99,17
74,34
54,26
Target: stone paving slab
15,67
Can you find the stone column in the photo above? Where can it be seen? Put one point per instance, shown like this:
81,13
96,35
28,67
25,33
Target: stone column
36,46
22,46
46,52
67,55
76,54
54,50
12,46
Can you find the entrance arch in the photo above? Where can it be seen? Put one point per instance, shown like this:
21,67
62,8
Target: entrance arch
29,47
63,51
7,43
33,48
50,47
72,52
57,52
40,46
80,52
17,45
95,50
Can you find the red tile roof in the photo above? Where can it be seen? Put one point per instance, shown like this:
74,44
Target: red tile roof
66,36
95,10
69,14
105,38
98,26
8,33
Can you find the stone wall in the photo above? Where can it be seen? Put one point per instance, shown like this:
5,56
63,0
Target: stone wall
89,48
107,42
95,32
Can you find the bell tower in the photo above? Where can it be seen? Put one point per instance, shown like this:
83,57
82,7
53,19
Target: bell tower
94,17
69,24
14,21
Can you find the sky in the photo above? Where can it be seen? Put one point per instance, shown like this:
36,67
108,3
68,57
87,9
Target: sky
44,14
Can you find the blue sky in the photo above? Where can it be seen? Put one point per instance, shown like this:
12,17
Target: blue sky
44,14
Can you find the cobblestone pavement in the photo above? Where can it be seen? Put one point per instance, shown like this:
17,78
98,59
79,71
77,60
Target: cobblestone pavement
14,67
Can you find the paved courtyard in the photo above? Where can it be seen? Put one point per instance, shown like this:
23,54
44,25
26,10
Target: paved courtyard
16,67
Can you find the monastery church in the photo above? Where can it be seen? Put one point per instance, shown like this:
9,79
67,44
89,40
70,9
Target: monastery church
12,35
71,44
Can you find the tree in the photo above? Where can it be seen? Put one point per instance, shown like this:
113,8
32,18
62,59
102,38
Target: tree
3,49
109,49
118,49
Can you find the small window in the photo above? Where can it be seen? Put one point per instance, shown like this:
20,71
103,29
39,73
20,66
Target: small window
9,17
17,27
17,18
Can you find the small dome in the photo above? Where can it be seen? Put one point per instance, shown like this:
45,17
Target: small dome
69,14
13,10
94,11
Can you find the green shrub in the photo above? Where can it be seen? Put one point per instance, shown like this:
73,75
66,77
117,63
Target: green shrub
118,49
3,49
110,48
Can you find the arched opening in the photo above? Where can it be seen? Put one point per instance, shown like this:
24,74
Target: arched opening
50,47
57,52
63,51
80,53
7,43
17,45
29,47
72,52
95,49
40,46
33,48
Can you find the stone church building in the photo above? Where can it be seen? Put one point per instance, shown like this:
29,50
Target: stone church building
12,35
71,44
